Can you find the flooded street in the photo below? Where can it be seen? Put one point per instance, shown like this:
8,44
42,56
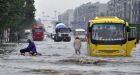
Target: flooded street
58,58
109,29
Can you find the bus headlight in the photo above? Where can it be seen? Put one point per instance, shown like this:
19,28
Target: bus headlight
122,51
96,51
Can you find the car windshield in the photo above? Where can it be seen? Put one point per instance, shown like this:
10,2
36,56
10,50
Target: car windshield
64,30
108,32
79,32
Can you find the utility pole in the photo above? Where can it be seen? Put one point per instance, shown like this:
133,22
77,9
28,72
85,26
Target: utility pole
55,15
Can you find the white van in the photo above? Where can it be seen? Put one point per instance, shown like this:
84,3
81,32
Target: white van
81,33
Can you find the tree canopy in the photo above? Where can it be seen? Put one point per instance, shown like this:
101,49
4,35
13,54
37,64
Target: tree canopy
16,14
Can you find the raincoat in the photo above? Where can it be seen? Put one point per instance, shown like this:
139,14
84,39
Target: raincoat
77,45
31,48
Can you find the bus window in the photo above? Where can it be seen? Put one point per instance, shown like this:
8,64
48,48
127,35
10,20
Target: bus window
108,32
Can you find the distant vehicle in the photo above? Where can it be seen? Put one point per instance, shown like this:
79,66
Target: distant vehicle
62,33
52,35
28,33
110,36
80,33
38,33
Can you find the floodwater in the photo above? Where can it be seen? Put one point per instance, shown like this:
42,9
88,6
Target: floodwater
58,58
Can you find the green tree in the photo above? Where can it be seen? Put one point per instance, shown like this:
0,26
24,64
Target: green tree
16,14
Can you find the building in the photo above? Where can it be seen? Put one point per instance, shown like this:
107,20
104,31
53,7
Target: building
128,10
66,17
86,12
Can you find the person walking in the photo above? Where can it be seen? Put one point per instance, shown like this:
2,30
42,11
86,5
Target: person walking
77,45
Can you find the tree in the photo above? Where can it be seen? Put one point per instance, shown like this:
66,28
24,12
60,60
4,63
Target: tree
16,14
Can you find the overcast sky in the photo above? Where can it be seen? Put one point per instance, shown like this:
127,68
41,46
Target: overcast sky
49,6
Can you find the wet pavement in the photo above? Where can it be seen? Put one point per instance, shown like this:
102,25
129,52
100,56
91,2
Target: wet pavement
59,58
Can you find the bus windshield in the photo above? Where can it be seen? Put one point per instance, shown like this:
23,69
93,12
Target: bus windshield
38,30
108,32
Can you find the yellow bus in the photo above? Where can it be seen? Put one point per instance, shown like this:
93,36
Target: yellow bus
109,36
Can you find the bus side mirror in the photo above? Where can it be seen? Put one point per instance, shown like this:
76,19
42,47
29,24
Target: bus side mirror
132,34
89,28
128,29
